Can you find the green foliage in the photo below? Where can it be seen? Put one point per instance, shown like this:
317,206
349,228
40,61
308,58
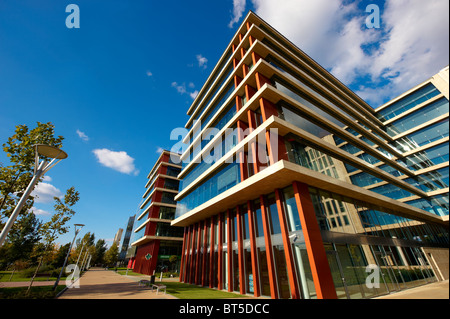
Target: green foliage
173,258
63,213
112,255
14,179
42,292
61,255
21,153
99,252
22,238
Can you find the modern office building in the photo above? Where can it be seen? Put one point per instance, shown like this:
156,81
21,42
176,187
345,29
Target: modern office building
154,239
303,190
118,237
126,239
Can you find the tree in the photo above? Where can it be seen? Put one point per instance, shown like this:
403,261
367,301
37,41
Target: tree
61,255
100,249
84,245
173,262
21,153
112,255
56,226
22,238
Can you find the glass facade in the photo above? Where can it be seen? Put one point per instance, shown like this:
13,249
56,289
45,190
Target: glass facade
224,179
259,243
405,104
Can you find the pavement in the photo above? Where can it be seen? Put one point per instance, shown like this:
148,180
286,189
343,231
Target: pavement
436,290
98,283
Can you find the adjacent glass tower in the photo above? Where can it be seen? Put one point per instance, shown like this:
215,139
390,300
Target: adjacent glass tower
156,245
294,187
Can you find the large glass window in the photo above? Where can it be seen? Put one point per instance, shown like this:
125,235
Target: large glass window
217,151
391,191
438,205
171,184
217,86
261,250
164,229
422,137
173,171
415,119
432,156
364,179
224,179
166,212
217,105
168,198
417,97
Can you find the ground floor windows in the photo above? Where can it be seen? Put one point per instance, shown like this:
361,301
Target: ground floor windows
263,248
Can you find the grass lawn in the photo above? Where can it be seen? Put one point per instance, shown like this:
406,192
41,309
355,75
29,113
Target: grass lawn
40,292
187,291
6,275
123,271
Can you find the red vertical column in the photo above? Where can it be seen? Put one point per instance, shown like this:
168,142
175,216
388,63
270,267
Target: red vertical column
220,254
321,273
252,234
192,266
230,249
290,263
197,261
269,255
240,241
211,254
183,255
205,250
188,246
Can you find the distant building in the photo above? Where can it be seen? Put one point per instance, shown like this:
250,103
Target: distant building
154,239
126,239
117,237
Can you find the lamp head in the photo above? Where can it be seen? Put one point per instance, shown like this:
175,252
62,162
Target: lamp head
50,151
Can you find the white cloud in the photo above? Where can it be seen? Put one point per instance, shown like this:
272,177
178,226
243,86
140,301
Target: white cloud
119,161
83,136
159,150
40,212
44,193
194,94
417,45
47,178
181,88
202,61
149,73
238,10
411,45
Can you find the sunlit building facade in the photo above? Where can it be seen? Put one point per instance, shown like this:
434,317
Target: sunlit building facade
154,240
302,189
126,239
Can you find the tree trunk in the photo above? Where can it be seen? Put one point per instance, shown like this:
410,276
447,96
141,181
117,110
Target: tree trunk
35,273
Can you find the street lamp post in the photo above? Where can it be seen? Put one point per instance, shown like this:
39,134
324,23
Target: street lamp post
82,248
68,253
39,171
84,260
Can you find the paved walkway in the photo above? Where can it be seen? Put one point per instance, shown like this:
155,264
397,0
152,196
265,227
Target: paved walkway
436,290
98,283
106,284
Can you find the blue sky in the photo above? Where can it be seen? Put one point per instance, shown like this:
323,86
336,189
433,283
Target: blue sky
117,86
